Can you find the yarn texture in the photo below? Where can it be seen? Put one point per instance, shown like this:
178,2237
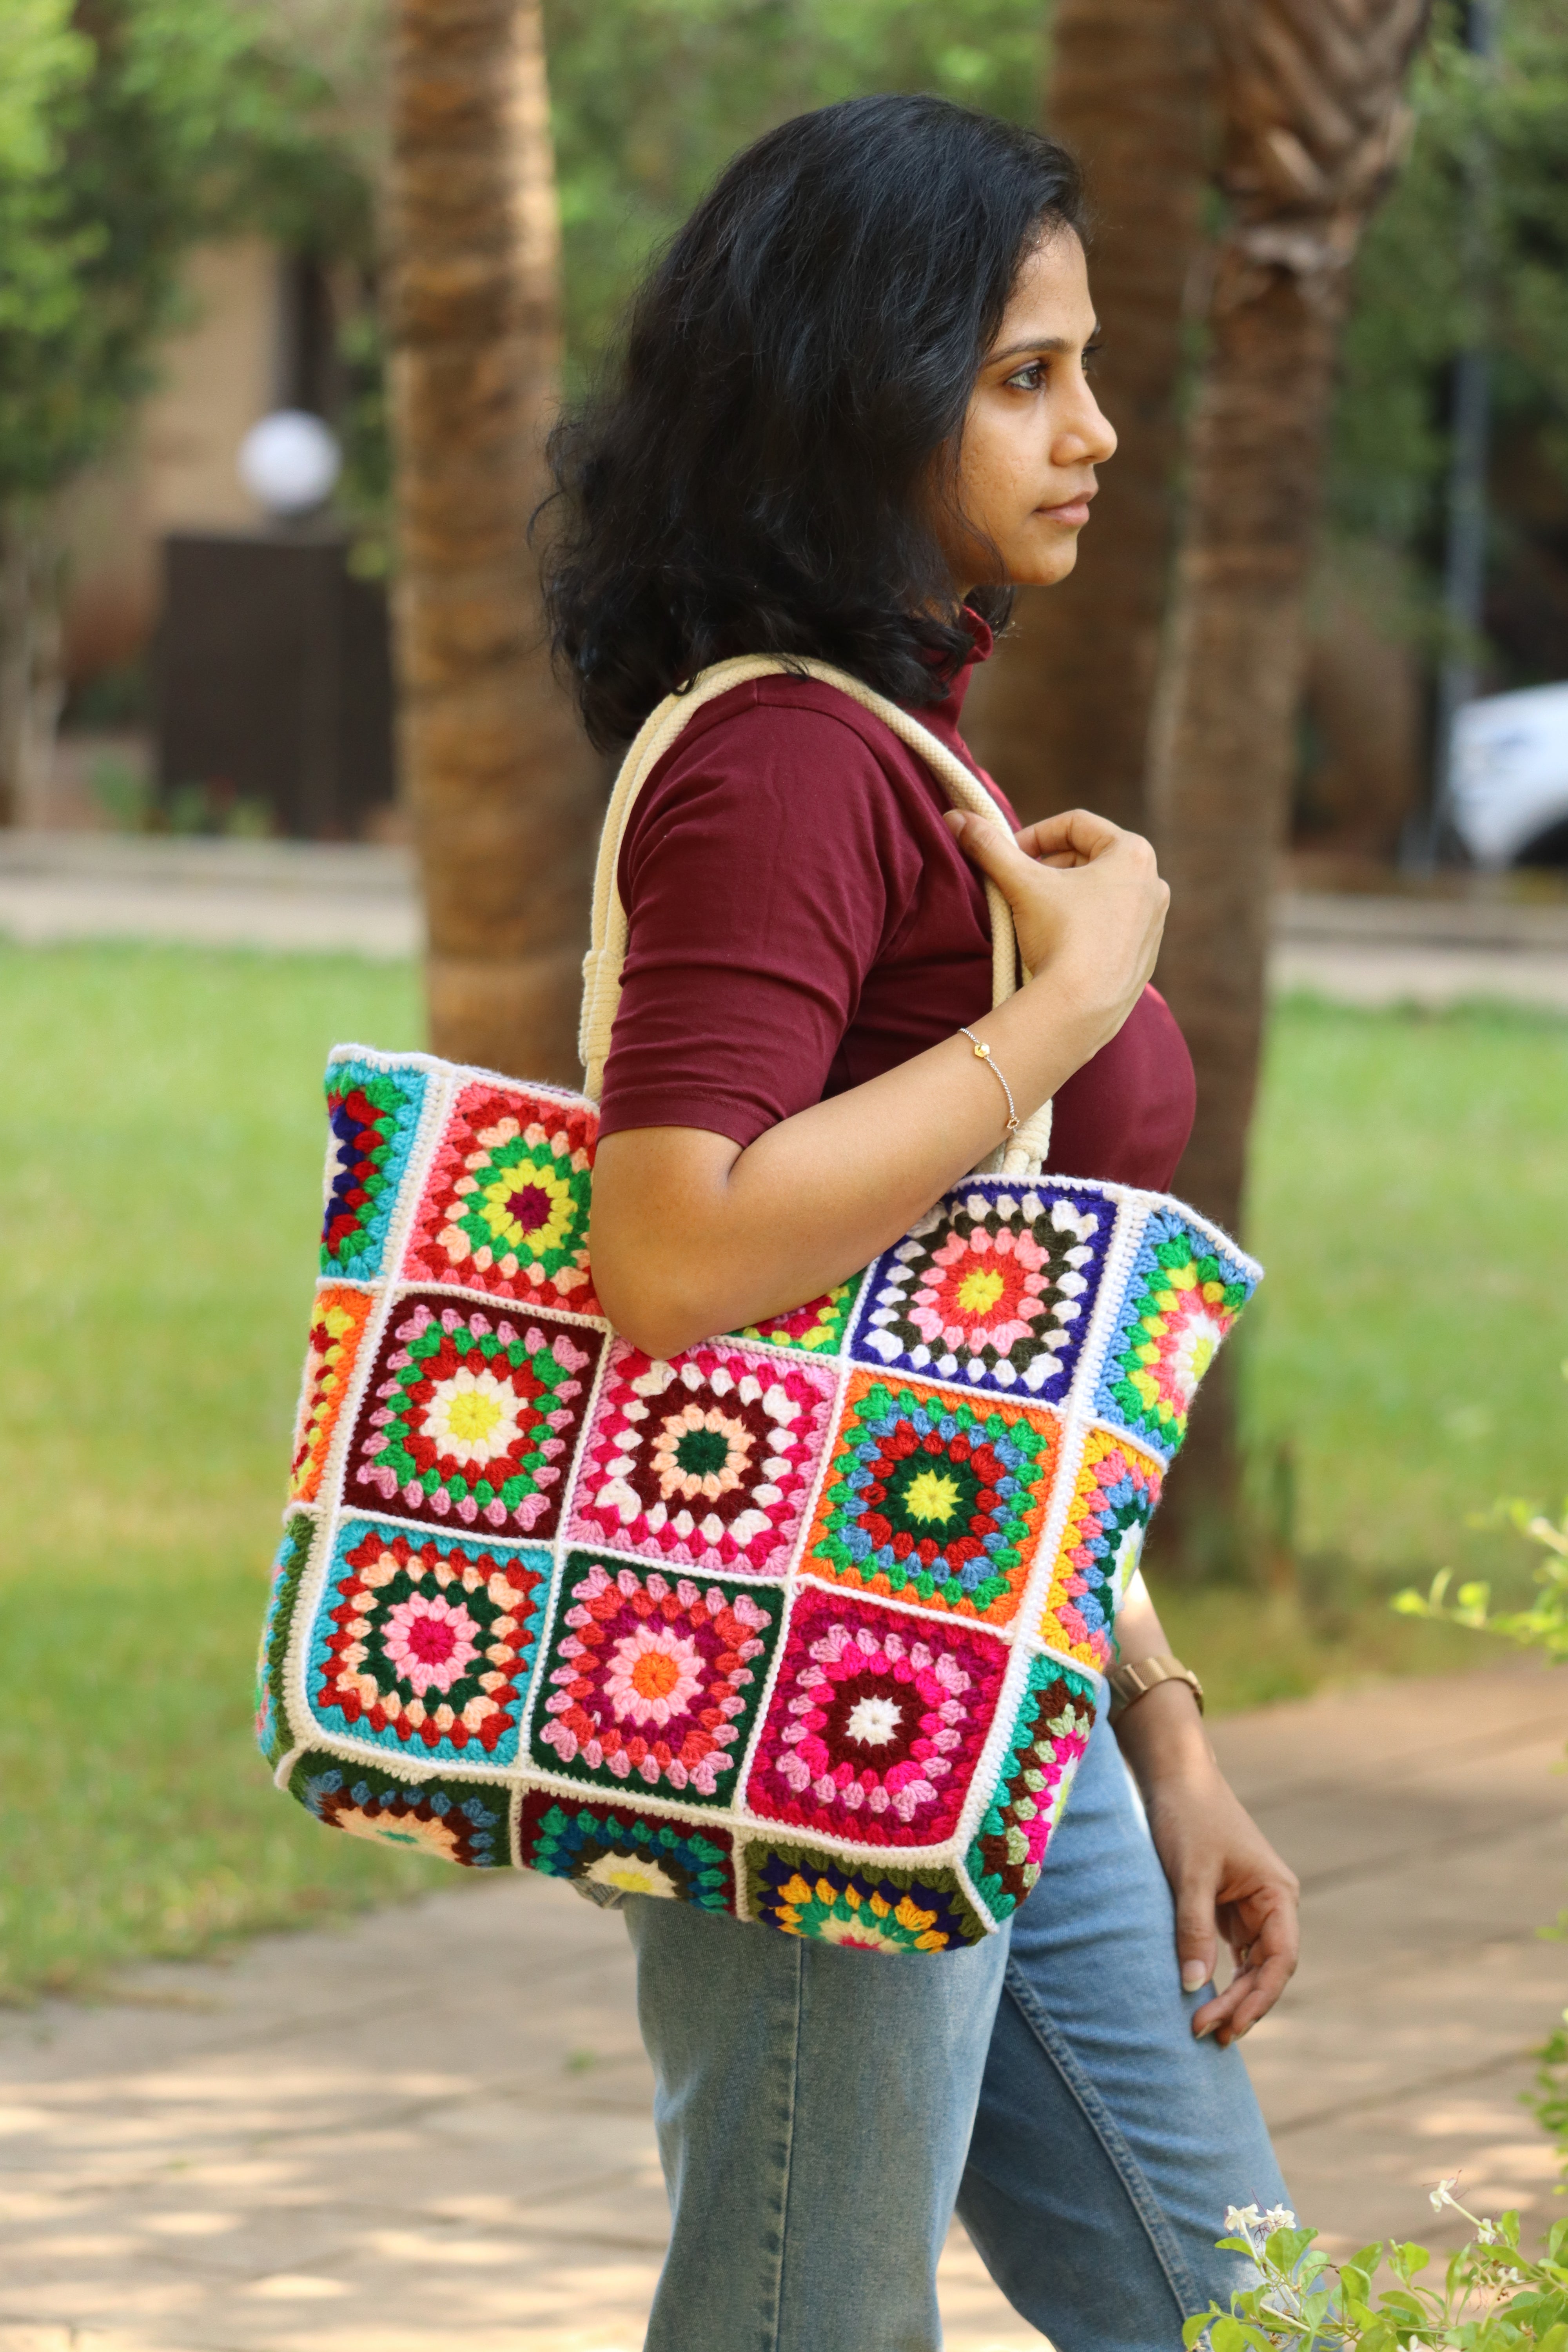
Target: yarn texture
809,1626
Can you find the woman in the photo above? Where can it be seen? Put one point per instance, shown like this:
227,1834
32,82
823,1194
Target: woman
851,412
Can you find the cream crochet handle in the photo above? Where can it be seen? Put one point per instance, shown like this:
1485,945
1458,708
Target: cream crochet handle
1023,1154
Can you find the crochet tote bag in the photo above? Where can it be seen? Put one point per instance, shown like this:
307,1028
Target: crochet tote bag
808,1625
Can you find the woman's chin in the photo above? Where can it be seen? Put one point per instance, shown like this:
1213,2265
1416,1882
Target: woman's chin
1042,567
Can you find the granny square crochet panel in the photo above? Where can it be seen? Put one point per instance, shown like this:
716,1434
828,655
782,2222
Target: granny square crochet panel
809,1626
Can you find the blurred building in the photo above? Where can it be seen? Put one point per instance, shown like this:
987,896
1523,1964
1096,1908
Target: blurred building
250,654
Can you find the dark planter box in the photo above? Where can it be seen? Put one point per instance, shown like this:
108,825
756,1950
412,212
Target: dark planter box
274,680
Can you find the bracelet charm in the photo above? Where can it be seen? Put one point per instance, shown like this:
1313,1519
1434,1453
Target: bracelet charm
983,1054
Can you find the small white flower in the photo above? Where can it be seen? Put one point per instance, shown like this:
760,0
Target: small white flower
1243,2218
1444,2192
1279,2217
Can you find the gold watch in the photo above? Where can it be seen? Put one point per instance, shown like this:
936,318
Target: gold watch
1130,1682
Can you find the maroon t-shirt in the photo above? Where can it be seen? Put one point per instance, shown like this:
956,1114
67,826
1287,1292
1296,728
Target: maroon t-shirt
802,919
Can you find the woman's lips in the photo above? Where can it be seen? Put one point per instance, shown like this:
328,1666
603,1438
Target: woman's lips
1073,513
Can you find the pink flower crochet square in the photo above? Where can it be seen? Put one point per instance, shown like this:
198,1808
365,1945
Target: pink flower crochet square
471,1414
424,1644
876,1722
706,1463
506,1204
993,1289
652,1682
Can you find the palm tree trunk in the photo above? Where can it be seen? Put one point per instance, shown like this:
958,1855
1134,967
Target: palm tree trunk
501,783
1061,715
1314,122
32,686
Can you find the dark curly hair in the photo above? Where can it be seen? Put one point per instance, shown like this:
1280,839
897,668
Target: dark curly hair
754,474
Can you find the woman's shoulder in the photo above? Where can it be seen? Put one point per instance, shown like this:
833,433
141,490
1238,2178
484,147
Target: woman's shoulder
798,724
779,752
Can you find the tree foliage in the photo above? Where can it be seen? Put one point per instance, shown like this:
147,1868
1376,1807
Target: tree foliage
651,97
1470,249
128,131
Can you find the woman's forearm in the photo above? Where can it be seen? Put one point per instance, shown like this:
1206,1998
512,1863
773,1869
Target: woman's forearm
1162,1736
692,1235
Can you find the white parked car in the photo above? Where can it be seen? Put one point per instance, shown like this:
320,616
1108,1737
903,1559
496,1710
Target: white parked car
1509,777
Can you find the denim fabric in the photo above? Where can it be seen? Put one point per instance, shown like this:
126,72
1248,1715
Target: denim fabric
819,2112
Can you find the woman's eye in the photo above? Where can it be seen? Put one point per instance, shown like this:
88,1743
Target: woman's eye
1028,379
1091,353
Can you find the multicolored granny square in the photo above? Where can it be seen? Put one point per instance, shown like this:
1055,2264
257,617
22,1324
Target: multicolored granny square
933,1498
868,1907
623,1852
1113,1501
373,1118
818,1326
1184,1292
424,1644
471,1414
337,1327
506,1205
876,1722
706,1463
1049,1735
288,1570
995,1287
454,1821
808,1624
653,1679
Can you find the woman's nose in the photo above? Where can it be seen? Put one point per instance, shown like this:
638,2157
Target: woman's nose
1088,438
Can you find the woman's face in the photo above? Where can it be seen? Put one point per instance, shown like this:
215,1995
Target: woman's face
1034,434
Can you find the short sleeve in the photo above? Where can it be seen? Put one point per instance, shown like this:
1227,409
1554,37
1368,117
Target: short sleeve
766,867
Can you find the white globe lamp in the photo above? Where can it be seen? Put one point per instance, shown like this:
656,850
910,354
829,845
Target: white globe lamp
289,463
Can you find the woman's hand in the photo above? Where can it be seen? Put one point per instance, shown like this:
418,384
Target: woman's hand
1088,905
1227,1881
1225,1877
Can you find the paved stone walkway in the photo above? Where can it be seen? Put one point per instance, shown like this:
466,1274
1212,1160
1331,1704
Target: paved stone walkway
430,2127
1359,949
288,895
296,896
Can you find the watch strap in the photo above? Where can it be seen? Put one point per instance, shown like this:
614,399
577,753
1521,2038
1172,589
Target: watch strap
1134,1681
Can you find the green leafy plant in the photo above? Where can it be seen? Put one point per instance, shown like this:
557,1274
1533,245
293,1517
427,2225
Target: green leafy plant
1550,2097
1543,1625
1492,2297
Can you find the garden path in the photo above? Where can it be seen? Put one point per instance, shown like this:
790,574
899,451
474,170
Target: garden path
1354,948
430,2125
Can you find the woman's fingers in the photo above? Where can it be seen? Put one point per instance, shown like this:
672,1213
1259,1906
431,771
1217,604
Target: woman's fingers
993,848
1073,837
1197,1942
1023,881
1266,1962
1227,1880
1099,926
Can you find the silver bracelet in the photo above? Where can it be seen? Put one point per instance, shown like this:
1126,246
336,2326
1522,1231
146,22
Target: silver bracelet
983,1054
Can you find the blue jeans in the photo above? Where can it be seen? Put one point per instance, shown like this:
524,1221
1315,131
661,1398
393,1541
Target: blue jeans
821,2111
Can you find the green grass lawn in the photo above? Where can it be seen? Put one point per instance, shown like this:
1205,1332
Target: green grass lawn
1410,1197
158,1185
